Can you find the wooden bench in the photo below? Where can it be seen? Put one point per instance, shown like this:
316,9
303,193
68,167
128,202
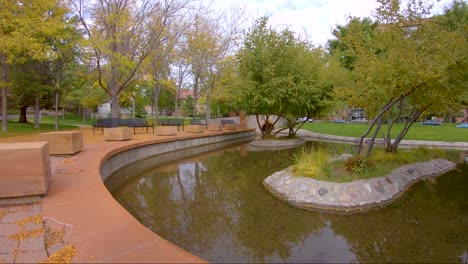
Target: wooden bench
228,124
178,122
226,121
139,122
108,122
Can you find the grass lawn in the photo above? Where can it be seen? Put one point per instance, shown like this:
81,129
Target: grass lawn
15,128
447,132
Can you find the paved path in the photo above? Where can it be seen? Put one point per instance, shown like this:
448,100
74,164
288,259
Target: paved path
78,211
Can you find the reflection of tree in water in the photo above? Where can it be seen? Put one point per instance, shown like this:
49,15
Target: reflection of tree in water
428,224
264,226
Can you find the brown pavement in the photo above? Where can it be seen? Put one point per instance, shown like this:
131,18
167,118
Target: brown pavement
79,211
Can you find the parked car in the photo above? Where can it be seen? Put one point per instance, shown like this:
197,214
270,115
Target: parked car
302,119
431,123
463,125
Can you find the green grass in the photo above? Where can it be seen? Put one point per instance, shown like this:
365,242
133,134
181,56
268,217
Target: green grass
15,129
315,164
447,132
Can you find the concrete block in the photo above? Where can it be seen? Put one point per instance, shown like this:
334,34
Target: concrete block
215,127
230,126
63,142
195,128
242,126
25,169
118,133
166,130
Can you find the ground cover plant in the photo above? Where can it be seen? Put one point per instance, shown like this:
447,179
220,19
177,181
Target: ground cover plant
323,165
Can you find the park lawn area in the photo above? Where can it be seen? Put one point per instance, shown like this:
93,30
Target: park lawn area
15,129
447,132
70,119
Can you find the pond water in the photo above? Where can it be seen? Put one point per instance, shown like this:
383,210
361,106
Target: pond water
214,206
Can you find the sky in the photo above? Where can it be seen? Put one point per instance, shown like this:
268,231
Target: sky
317,17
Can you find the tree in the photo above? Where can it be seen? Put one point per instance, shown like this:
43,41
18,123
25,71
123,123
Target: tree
280,76
455,19
123,34
404,70
188,105
337,46
24,30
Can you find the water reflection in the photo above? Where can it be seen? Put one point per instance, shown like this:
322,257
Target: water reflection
214,206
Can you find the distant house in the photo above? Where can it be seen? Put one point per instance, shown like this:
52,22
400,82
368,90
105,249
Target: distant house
105,110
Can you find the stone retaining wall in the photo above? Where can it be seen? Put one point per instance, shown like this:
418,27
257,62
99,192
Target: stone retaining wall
360,195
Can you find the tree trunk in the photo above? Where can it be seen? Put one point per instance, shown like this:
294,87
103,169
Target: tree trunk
56,110
37,109
23,117
208,109
84,114
115,105
157,93
195,96
408,124
4,92
371,143
465,114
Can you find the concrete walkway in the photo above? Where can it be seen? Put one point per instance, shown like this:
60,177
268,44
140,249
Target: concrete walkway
78,213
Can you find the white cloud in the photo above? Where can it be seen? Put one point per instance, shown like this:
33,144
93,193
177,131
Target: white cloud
318,17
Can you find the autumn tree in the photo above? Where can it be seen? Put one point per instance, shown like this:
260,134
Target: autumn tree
123,34
25,27
404,70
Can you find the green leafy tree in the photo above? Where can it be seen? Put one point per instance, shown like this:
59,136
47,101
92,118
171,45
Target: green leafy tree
25,28
455,19
280,77
188,105
404,70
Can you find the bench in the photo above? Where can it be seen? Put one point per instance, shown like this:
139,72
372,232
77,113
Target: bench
197,122
107,123
139,122
179,122
226,121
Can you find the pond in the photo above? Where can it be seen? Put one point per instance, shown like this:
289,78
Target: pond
214,206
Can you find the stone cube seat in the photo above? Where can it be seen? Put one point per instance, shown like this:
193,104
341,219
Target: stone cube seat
195,129
63,142
166,130
25,169
230,126
215,127
242,126
118,133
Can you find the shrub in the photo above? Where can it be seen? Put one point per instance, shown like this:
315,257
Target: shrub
311,163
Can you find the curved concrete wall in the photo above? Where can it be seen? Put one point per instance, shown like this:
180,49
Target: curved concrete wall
116,161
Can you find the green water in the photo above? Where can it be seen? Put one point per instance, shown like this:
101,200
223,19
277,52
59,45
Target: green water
214,205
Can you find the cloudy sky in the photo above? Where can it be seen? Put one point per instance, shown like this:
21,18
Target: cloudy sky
317,17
